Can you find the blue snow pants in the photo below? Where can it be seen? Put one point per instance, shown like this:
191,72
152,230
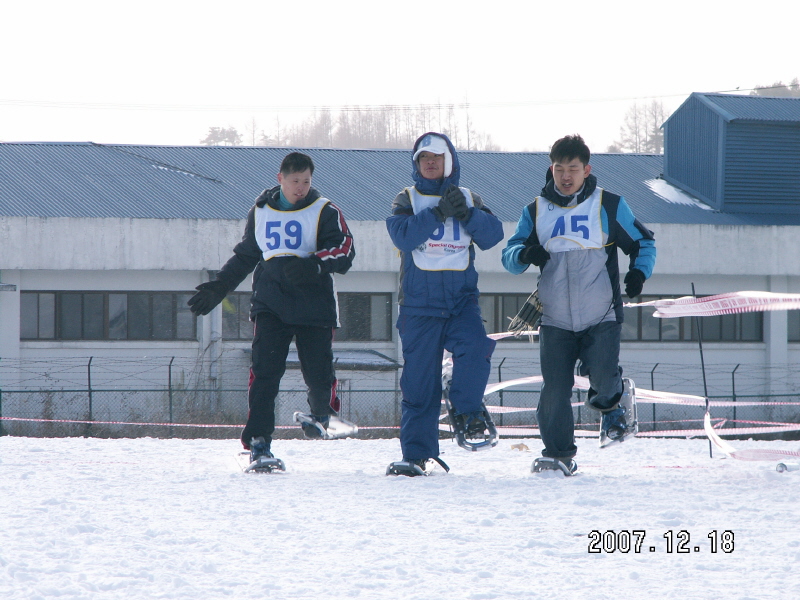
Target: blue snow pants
424,341
559,349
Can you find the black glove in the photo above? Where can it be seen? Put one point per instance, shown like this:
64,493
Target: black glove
455,197
208,295
634,282
534,255
443,210
301,271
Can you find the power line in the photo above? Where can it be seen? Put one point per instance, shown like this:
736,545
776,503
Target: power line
339,107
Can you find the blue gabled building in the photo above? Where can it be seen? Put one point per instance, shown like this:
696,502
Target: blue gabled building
738,154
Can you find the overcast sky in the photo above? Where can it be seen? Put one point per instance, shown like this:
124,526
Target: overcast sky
163,72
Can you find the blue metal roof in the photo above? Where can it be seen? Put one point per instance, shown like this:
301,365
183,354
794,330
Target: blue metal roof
221,182
751,108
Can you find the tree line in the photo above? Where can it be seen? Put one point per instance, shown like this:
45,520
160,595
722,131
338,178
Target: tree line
398,127
362,127
779,89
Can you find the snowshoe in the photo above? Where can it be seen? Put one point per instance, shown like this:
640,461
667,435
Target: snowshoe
529,316
474,431
415,468
261,459
327,427
545,463
622,422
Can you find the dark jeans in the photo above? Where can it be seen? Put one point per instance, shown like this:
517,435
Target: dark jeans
598,350
271,340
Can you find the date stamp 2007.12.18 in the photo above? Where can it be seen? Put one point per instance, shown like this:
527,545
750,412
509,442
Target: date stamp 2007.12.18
680,542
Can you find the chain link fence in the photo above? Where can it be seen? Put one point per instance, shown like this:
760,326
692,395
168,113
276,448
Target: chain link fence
222,413
171,397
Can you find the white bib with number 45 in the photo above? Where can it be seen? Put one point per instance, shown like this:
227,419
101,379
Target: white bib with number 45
577,227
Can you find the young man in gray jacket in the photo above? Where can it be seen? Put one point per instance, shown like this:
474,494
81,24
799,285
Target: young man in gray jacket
572,232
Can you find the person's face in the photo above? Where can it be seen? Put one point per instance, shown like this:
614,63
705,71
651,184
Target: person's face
569,176
431,165
295,186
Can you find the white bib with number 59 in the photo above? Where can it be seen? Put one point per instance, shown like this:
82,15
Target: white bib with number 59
290,232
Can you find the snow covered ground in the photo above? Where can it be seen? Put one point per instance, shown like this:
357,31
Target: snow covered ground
149,518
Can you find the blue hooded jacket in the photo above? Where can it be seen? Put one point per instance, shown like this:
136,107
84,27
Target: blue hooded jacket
437,293
435,187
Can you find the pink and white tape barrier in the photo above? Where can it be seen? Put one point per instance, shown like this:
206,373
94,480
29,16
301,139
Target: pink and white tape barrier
753,454
722,304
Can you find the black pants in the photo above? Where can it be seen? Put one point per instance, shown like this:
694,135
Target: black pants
271,340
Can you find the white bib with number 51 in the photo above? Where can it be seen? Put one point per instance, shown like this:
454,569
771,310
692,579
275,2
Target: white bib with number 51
448,247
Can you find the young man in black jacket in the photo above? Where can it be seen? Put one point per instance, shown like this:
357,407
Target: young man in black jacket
295,240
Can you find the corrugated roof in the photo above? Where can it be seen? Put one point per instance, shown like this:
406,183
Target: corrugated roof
220,182
753,108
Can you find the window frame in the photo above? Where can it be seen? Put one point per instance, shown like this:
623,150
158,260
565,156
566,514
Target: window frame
242,305
384,299
58,326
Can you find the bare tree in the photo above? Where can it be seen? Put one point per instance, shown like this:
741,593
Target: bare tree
641,129
251,129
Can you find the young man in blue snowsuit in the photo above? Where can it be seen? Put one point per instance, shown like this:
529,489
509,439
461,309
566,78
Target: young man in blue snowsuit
572,232
436,225
295,240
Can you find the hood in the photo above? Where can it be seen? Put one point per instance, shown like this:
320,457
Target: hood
432,142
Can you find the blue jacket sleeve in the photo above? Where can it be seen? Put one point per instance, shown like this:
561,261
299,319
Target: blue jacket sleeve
515,244
486,229
635,240
409,230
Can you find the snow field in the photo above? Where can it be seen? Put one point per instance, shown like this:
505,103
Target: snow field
85,518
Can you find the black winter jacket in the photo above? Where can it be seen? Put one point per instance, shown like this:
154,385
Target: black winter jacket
313,304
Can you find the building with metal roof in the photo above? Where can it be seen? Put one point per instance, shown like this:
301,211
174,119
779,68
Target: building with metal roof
101,245
738,154
87,180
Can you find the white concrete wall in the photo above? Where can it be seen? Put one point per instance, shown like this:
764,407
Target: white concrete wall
152,254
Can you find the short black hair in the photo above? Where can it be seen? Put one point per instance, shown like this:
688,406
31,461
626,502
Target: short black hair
296,162
568,148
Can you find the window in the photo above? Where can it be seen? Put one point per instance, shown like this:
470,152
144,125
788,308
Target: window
106,316
641,325
236,323
794,325
364,317
497,311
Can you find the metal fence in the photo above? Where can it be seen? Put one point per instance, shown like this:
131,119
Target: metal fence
192,413
173,397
